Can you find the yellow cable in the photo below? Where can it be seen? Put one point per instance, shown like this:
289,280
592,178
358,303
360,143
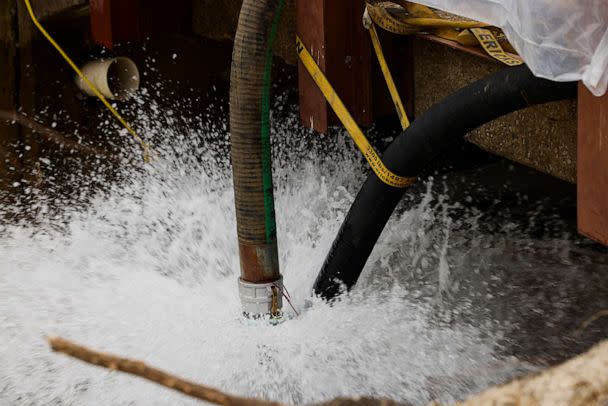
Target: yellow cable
390,83
144,145
381,171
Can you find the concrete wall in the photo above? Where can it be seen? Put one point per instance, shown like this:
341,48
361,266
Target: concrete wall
543,137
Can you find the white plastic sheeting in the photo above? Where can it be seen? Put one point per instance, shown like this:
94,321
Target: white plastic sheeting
563,40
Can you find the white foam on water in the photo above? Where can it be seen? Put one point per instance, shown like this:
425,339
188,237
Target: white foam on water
148,270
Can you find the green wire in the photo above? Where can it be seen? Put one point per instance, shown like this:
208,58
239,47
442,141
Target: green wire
269,217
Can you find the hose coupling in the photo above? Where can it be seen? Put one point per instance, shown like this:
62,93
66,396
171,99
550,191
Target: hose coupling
261,299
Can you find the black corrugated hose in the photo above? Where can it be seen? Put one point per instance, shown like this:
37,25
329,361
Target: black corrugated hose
435,131
250,139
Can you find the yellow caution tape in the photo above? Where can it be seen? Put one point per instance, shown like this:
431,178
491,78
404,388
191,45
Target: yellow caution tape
388,22
390,83
122,121
383,173
411,18
466,37
418,19
492,47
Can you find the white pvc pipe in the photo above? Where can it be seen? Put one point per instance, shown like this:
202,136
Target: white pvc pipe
116,78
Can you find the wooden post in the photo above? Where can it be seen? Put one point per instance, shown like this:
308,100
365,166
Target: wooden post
115,21
120,21
592,165
334,34
310,28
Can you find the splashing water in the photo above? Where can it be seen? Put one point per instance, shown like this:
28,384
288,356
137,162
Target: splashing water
148,269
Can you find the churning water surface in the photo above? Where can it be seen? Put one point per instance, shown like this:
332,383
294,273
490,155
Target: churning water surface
147,268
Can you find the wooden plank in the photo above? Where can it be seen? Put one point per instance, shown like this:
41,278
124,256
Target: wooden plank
101,23
120,21
592,165
311,30
333,32
116,21
348,58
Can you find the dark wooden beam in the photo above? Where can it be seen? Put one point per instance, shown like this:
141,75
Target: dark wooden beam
348,57
115,21
120,21
333,32
311,30
592,165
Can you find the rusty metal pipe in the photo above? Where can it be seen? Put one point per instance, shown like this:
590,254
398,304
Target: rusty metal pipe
260,280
